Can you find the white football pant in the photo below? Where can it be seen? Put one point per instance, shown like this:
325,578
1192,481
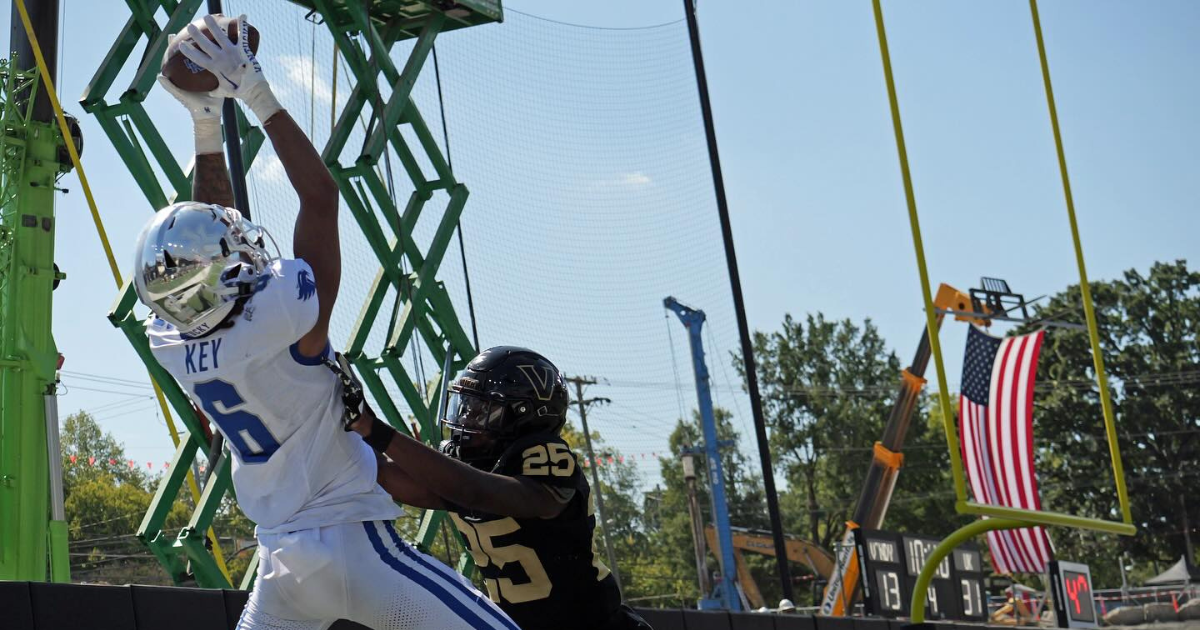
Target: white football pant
363,572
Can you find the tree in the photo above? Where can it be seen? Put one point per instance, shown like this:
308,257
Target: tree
827,389
624,512
654,542
1150,340
104,500
95,452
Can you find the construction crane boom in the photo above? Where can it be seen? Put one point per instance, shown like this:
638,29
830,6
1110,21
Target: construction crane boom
887,457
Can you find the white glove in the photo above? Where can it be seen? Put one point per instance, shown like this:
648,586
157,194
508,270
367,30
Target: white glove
205,109
237,70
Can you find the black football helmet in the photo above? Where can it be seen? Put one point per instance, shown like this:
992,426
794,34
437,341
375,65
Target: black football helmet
503,394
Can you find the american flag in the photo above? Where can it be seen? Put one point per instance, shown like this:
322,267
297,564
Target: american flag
996,424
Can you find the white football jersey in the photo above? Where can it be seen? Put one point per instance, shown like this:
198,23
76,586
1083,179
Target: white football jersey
280,412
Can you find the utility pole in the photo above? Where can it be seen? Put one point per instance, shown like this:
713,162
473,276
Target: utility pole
602,514
689,476
1124,581
1189,549
739,307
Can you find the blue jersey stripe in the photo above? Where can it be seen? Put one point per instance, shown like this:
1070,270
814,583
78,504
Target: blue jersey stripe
447,598
453,578
299,357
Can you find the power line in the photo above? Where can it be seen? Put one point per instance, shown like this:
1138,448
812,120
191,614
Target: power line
103,391
147,406
105,379
648,27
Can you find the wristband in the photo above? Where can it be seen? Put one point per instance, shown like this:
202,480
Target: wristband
261,100
208,135
381,435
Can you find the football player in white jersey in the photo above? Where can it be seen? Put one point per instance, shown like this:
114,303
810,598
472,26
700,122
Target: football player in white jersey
245,333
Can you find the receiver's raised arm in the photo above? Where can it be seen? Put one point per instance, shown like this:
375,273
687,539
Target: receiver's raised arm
316,236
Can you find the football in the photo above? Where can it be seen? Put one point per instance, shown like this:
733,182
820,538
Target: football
187,75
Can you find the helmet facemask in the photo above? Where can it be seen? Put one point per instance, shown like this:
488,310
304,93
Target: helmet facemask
477,429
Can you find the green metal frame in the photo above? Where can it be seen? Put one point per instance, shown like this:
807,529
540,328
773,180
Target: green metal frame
427,312
29,168
998,517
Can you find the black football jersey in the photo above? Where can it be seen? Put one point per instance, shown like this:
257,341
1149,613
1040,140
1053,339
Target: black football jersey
545,573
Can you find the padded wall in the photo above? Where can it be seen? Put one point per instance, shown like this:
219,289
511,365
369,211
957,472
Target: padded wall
38,606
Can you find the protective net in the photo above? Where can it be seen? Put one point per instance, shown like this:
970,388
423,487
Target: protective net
591,200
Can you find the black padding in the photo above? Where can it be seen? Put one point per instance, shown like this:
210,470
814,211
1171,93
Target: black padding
796,622
79,607
706,620
235,602
752,621
836,623
870,623
662,618
178,608
17,607
347,625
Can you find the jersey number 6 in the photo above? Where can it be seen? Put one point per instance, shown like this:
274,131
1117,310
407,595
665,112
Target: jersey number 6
245,431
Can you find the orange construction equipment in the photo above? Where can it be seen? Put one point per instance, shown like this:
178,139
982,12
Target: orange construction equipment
818,560
887,457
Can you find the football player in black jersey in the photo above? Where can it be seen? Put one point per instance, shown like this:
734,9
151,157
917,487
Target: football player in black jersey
514,489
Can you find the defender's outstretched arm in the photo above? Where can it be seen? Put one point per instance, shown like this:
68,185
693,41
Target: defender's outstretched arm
456,483
405,489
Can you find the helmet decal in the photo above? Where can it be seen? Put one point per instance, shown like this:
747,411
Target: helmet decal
541,378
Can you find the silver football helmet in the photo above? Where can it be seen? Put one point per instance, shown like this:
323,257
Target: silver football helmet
195,260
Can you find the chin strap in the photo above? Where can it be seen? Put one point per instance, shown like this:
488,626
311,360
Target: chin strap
352,390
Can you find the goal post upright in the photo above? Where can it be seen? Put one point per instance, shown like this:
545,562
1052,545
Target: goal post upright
996,517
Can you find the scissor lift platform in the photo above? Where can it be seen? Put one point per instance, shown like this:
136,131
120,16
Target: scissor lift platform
410,16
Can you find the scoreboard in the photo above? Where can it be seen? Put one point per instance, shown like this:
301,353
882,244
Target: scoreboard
881,573
890,562
968,577
1072,588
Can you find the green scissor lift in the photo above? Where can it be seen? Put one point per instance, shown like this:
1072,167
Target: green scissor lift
426,312
31,521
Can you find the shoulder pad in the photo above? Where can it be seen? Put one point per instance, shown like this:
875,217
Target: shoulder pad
542,457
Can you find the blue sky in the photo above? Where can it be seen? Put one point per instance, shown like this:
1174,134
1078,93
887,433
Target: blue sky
810,169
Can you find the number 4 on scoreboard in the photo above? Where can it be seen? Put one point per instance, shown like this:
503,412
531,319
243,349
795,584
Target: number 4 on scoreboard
1073,603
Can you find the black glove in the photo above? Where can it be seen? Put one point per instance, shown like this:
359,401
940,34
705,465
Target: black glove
352,390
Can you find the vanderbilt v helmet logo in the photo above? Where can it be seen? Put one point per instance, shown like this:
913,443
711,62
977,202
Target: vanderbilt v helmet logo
542,379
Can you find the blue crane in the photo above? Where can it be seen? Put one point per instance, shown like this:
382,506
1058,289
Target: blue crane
725,592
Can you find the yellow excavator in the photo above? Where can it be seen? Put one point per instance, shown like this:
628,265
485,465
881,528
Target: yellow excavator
801,551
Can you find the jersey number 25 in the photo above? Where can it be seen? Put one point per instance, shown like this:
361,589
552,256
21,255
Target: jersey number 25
245,431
